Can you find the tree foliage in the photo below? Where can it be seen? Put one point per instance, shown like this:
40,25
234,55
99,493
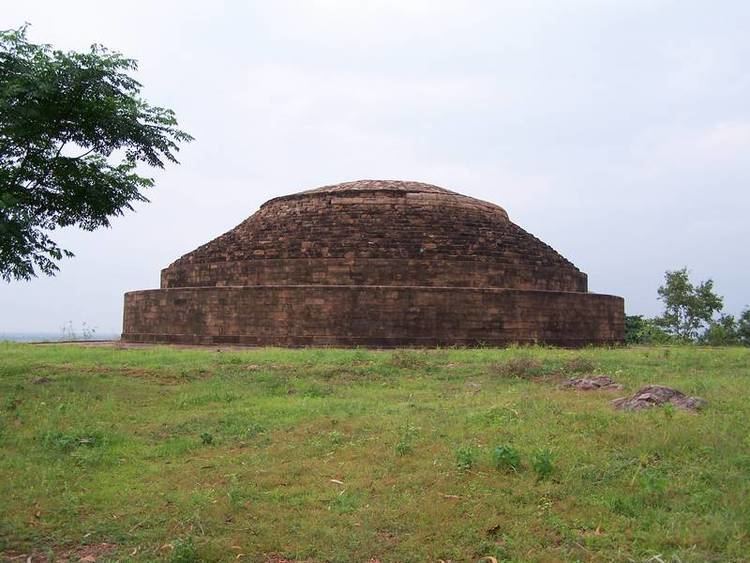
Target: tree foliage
743,327
721,332
688,308
689,316
73,129
728,330
641,330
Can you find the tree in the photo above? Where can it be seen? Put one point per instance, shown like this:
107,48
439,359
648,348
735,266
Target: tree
687,308
743,327
73,129
721,332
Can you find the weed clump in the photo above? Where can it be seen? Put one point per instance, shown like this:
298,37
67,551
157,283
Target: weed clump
522,368
408,359
466,457
500,415
406,439
579,364
184,551
345,503
67,442
11,404
506,458
543,463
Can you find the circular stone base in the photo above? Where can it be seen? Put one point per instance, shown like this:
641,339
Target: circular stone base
378,316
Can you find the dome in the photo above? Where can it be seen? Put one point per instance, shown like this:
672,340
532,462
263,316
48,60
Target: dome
376,263
375,232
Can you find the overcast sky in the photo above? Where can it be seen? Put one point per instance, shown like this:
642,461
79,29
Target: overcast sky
617,131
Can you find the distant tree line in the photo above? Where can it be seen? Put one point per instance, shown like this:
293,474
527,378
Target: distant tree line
692,313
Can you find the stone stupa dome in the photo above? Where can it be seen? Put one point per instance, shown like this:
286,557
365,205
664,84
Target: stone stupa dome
374,262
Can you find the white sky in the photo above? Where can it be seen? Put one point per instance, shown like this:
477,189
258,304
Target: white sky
616,131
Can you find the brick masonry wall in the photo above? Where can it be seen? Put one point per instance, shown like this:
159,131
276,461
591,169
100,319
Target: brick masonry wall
370,316
390,237
374,271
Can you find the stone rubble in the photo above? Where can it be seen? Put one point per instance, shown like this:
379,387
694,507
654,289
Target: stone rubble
592,383
658,395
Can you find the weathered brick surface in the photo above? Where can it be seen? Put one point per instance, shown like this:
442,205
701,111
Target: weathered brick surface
370,316
377,233
374,263
374,271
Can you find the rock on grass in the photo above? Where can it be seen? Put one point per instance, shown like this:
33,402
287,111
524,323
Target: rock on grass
657,395
591,383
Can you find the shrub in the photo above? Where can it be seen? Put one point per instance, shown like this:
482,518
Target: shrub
721,332
639,330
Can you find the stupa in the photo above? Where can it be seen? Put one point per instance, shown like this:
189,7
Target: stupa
374,263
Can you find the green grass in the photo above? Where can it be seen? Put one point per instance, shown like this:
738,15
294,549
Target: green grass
352,455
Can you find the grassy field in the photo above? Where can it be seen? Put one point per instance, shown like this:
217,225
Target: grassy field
146,454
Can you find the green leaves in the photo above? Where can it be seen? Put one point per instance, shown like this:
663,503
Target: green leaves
689,316
73,129
687,307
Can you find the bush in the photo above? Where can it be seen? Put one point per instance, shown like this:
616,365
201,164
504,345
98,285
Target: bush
721,332
645,331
